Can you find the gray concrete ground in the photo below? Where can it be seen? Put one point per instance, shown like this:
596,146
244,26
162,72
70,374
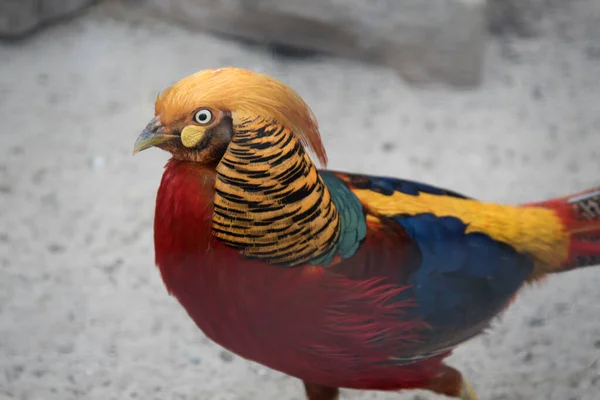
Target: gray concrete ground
83,313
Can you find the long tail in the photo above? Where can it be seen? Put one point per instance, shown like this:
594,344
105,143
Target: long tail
580,213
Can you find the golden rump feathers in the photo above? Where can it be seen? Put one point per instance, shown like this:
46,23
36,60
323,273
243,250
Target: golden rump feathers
247,95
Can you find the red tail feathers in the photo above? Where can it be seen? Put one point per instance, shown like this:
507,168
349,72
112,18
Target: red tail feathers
581,215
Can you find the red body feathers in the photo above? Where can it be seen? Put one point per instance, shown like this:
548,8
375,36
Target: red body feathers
283,318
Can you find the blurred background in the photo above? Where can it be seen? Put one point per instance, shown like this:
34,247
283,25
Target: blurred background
497,99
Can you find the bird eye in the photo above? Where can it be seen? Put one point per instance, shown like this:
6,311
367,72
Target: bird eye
203,116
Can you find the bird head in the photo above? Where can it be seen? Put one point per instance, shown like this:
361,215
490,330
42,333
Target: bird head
197,117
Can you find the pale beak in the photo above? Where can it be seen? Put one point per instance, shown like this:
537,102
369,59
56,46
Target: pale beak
152,135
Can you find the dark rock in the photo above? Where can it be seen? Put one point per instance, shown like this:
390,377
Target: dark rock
521,18
226,356
535,322
388,147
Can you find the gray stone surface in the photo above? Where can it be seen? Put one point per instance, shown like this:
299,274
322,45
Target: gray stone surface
83,313
18,17
426,41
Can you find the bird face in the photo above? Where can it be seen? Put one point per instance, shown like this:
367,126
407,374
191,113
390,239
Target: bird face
200,136
197,117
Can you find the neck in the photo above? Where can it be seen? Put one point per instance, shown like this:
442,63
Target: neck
183,211
269,201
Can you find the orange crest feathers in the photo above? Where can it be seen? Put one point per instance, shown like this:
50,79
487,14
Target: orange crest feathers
247,95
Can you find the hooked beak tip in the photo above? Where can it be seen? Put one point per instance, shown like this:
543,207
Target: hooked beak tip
151,136
146,140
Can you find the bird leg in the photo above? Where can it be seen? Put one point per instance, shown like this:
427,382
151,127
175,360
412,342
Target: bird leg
320,392
450,382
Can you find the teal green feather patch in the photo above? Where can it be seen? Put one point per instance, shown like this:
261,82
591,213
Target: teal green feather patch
353,225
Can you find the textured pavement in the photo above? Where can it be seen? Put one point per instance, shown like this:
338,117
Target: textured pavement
83,313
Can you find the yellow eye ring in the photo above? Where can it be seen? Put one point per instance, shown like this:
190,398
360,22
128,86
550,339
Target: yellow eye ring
203,117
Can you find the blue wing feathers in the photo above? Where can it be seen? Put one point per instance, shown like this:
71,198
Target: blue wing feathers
462,275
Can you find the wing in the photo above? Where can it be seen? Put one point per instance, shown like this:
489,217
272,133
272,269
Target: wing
433,243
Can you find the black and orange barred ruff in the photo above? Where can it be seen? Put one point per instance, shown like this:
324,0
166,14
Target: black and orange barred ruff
270,201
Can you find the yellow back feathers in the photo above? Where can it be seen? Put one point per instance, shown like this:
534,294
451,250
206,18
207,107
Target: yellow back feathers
247,95
534,230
